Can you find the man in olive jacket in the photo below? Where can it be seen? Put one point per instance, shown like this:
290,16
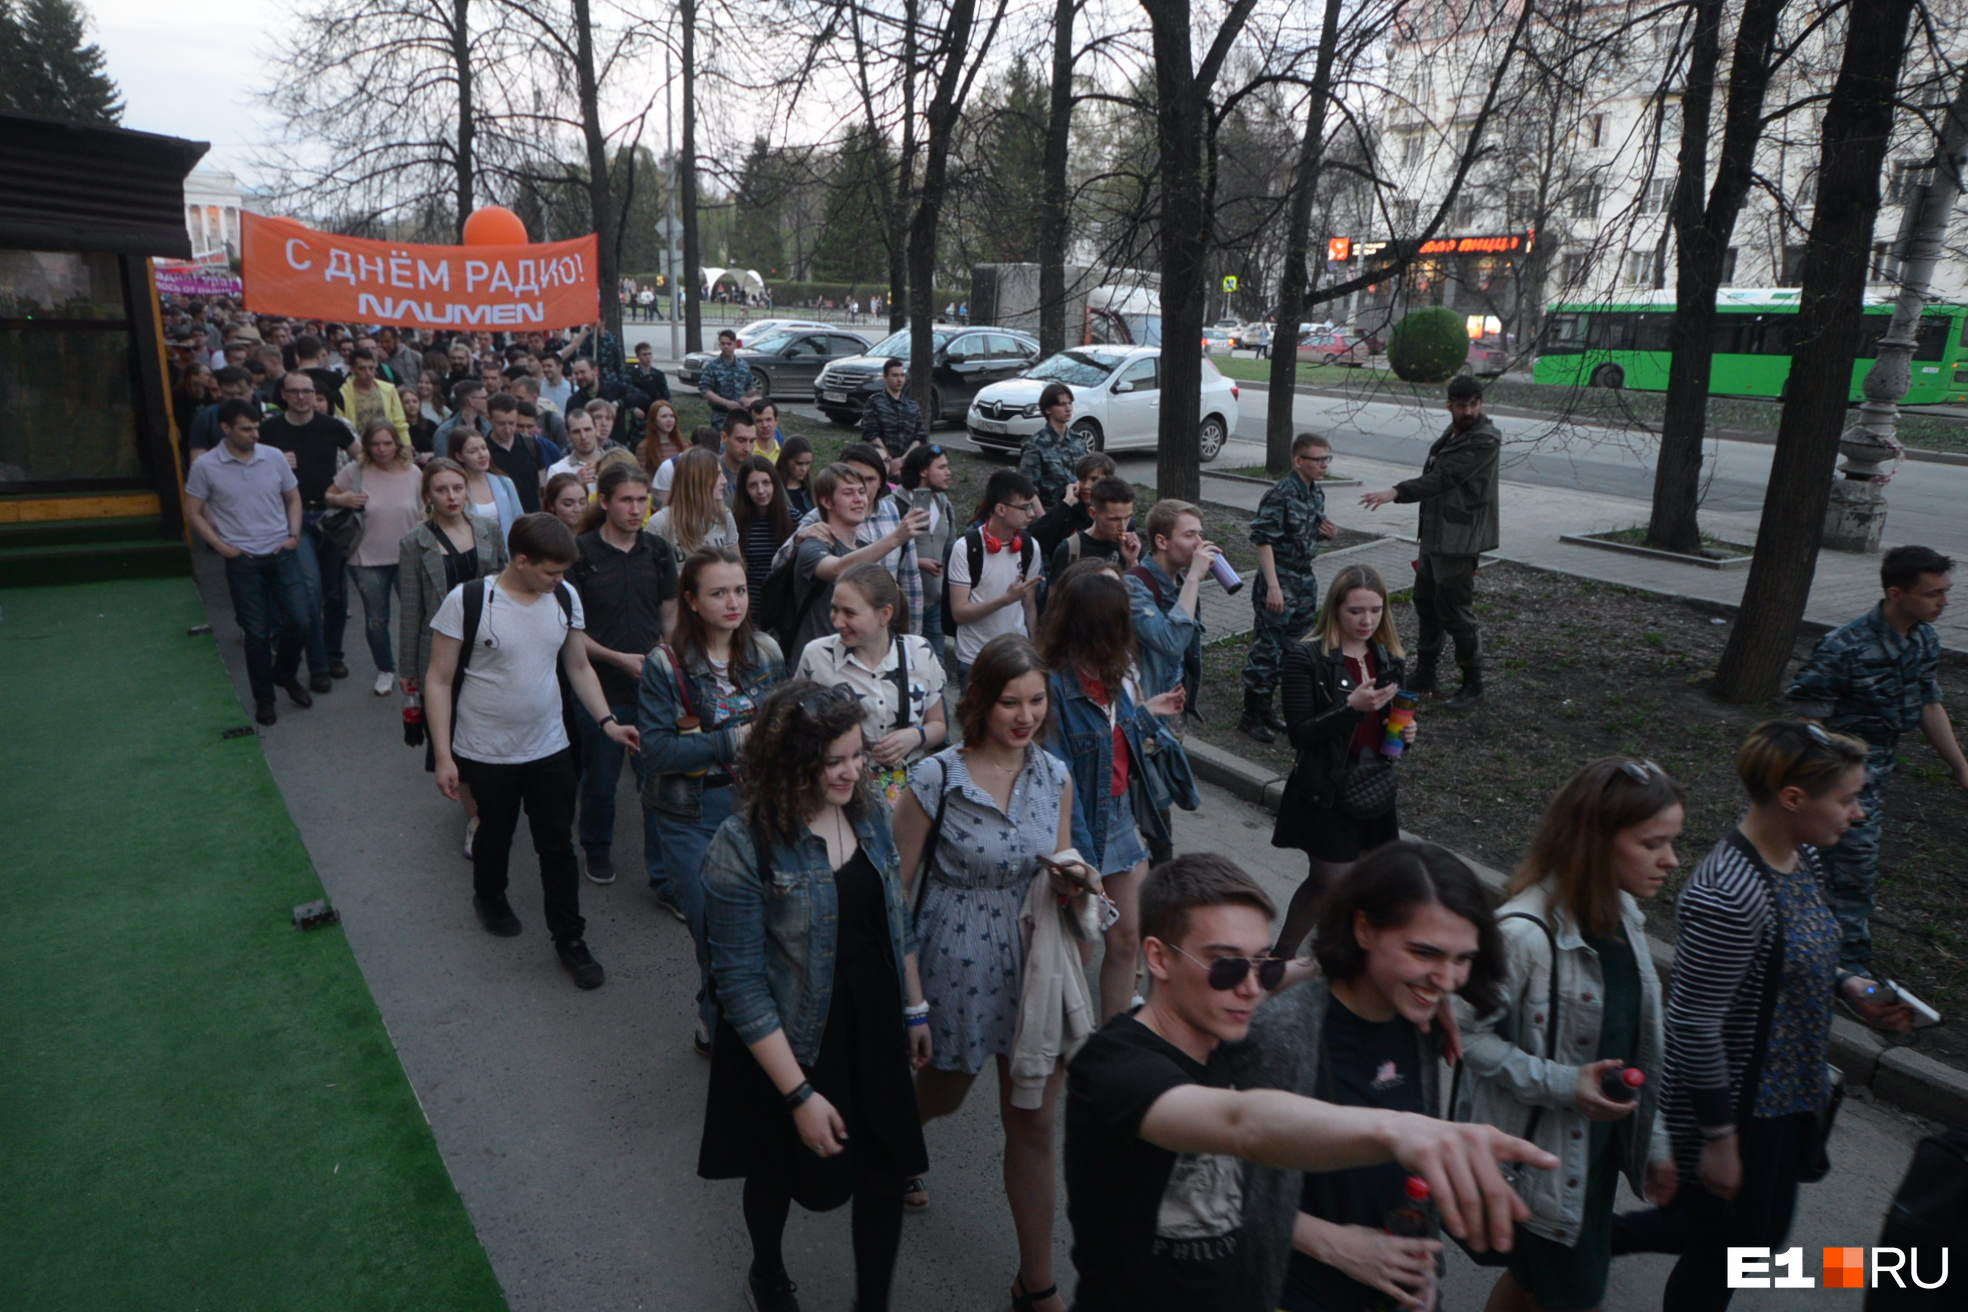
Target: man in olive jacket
1458,495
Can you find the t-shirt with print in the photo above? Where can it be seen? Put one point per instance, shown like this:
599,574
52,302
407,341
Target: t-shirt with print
1365,1064
998,573
509,702
1153,1230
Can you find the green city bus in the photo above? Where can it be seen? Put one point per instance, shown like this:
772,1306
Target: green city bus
1624,344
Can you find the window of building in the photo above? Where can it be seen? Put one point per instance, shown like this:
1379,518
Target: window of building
1572,268
1523,206
1885,266
1585,201
1410,149
1905,181
1646,268
1729,267
1654,195
1592,130
1407,217
1792,273
64,332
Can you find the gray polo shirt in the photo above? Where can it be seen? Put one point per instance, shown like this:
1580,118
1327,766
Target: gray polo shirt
244,498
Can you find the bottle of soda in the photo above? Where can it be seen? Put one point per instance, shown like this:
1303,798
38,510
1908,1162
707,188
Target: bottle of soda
1413,1218
413,723
1622,1083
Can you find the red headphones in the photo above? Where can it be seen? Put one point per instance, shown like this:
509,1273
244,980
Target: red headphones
992,546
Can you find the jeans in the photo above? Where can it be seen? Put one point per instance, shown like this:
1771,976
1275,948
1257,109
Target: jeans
683,842
373,584
327,585
545,789
1445,603
601,770
270,601
932,629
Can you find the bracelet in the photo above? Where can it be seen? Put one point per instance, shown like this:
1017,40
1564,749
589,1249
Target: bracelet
914,1021
605,721
1716,1133
916,1009
801,1092
922,735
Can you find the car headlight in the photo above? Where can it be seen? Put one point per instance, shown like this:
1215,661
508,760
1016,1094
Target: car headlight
1030,412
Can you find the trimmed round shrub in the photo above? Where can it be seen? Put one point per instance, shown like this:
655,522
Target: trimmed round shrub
1428,346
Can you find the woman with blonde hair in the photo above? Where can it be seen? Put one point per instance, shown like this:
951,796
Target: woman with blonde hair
384,485
696,515
566,499
1337,684
1580,1001
492,495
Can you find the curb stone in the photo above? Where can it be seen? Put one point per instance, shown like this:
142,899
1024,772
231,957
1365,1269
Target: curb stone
1911,1080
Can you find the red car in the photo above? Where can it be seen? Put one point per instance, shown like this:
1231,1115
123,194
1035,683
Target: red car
1330,346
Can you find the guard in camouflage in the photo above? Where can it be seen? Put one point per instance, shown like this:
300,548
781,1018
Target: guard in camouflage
1875,679
1290,527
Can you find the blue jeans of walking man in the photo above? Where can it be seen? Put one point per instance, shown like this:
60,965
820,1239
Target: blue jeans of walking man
601,773
325,570
270,601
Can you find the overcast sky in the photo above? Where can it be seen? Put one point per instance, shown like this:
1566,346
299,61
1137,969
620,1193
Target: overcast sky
188,70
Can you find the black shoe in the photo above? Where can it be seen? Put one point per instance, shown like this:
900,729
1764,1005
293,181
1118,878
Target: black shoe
1470,693
1421,679
701,1044
297,694
496,914
339,670
263,712
771,1294
1254,723
580,963
1275,720
601,865
321,683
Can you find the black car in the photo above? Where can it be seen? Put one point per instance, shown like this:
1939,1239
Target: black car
967,360
784,363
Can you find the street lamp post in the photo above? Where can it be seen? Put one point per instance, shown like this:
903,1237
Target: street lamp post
1856,516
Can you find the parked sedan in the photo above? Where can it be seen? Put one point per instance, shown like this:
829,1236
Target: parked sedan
1117,399
786,361
1330,347
965,360
1487,357
1218,337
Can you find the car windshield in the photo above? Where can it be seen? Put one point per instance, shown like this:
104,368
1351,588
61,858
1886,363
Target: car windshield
1080,368
772,343
896,344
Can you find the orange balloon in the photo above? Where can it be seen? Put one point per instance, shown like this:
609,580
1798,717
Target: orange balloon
494,225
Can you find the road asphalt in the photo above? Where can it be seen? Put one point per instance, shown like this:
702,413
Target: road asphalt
569,1120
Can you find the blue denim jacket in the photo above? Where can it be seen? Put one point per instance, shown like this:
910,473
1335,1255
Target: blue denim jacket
1078,734
772,943
1169,642
674,763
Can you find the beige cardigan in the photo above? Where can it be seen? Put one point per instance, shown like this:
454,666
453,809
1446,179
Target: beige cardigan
1055,1007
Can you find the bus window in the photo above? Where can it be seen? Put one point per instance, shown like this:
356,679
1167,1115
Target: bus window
1929,343
1613,332
1727,337
1650,332
1564,334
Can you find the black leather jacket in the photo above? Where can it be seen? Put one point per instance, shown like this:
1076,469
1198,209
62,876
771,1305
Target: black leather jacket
1321,725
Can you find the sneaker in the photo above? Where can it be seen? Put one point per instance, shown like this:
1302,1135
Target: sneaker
580,963
321,683
666,901
700,1042
263,712
601,866
496,914
297,694
471,832
384,682
338,670
770,1294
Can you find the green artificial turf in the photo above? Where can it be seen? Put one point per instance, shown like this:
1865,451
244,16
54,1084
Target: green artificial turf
201,1106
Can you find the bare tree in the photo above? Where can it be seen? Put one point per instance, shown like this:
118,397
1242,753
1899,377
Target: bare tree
1858,125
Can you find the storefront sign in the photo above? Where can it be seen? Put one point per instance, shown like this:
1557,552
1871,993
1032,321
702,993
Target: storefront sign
295,270
1341,249
196,280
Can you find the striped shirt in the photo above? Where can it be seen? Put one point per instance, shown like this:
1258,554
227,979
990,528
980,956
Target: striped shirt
1718,1002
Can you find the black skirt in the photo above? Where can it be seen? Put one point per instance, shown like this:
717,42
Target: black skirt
862,1069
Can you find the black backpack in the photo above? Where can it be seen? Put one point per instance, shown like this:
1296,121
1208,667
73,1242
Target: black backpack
778,607
1929,1213
973,540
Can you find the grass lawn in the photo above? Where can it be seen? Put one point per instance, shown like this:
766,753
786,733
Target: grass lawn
202,1106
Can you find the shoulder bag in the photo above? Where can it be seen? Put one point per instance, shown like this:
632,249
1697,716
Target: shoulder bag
341,526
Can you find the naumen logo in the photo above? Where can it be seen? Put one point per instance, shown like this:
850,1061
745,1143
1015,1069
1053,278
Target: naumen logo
1844,1268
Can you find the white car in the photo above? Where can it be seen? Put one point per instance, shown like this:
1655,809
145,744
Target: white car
758,328
1117,401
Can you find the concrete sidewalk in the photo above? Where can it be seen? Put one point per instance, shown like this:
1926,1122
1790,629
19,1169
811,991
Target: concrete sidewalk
1533,517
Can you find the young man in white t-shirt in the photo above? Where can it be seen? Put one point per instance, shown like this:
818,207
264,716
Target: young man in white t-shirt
1004,597
509,741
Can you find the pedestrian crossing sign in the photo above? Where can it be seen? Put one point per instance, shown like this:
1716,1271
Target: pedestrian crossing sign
1229,282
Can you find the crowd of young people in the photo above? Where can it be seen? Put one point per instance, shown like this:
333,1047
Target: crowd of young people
898,856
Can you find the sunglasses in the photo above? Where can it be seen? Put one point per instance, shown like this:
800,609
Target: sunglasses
1226,973
1818,735
1640,772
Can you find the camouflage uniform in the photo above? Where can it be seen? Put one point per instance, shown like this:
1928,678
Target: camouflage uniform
1049,459
892,423
729,379
1866,680
1288,520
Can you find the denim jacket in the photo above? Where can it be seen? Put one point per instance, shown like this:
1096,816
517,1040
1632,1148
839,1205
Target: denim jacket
1080,736
1508,1071
1169,641
675,763
772,943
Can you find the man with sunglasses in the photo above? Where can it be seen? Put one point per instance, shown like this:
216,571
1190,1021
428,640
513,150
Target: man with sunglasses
1291,525
1154,1134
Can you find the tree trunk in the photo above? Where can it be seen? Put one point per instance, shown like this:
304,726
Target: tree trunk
1179,114
1702,233
461,67
692,279
1052,189
1857,130
899,294
601,203
1278,401
942,123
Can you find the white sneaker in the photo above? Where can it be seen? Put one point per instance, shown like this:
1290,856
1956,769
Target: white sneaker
471,832
384,682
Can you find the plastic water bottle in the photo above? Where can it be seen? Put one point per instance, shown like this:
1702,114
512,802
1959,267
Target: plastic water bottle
1622,1083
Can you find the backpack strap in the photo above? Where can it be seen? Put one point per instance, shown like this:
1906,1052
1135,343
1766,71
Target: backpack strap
1550,1019
974,549
900,676
1153,585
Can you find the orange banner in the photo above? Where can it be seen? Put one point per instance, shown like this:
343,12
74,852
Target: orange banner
295,270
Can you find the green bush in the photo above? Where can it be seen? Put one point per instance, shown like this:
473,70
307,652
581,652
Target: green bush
1428,346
